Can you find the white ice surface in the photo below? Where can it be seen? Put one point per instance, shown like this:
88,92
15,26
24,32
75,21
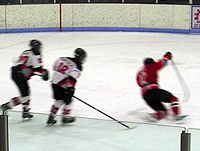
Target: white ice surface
108,79
90,135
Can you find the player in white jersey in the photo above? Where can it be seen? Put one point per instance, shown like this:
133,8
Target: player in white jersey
28,64
66,72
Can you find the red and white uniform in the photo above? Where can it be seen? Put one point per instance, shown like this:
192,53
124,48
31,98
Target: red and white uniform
147,77
66,72
30,63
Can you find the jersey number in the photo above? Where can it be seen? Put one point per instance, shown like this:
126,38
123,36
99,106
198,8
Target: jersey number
23,59
62,68
142,78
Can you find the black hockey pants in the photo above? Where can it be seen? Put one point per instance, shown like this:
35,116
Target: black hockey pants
60,93
20,81
155,97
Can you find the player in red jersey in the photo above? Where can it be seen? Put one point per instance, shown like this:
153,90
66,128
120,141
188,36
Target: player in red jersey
147,79
66,72
29,63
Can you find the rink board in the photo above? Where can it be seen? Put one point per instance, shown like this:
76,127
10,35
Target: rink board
89,135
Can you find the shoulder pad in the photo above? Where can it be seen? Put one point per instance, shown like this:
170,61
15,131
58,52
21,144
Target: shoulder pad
78,64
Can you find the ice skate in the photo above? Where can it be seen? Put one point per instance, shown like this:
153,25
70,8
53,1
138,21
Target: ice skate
180,117
26,114
152,118
51,120
157,116
67,120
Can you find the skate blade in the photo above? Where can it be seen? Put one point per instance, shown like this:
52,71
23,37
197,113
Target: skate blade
26,119
151,118
180,119
51,124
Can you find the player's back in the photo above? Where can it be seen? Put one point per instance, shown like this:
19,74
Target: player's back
63,68
29,59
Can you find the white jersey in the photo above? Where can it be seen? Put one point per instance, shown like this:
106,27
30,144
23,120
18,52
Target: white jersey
28,62
66,72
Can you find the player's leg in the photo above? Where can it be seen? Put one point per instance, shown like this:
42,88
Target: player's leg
167,97
23,87
24,99
14,101
66,118
54,109
58,97
155,103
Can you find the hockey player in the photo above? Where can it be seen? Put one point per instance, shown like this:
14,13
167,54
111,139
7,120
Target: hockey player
66,72
28,64
147,79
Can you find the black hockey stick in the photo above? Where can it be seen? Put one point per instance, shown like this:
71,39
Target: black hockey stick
186,91
105,114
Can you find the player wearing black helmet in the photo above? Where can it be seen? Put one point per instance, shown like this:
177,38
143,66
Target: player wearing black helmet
35,42
35,46
147,79
66,72
29,63
148,61
80,54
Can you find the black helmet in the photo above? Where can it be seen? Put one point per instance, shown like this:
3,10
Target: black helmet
148,61
35,42
80,54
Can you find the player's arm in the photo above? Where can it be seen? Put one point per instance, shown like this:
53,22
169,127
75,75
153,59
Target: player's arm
163,62
70,82
167,56
37,65
43,72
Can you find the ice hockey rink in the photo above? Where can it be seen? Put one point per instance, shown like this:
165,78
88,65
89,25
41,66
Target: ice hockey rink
107,83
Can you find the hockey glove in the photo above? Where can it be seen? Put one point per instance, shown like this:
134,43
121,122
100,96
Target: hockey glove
168,56
45,75
69,94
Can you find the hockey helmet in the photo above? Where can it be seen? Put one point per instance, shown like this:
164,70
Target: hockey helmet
80,54
35,42
148,61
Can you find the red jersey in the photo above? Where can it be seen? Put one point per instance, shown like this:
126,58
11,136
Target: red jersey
147,77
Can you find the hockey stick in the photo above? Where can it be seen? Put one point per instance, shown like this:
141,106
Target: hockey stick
186,91
131,127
